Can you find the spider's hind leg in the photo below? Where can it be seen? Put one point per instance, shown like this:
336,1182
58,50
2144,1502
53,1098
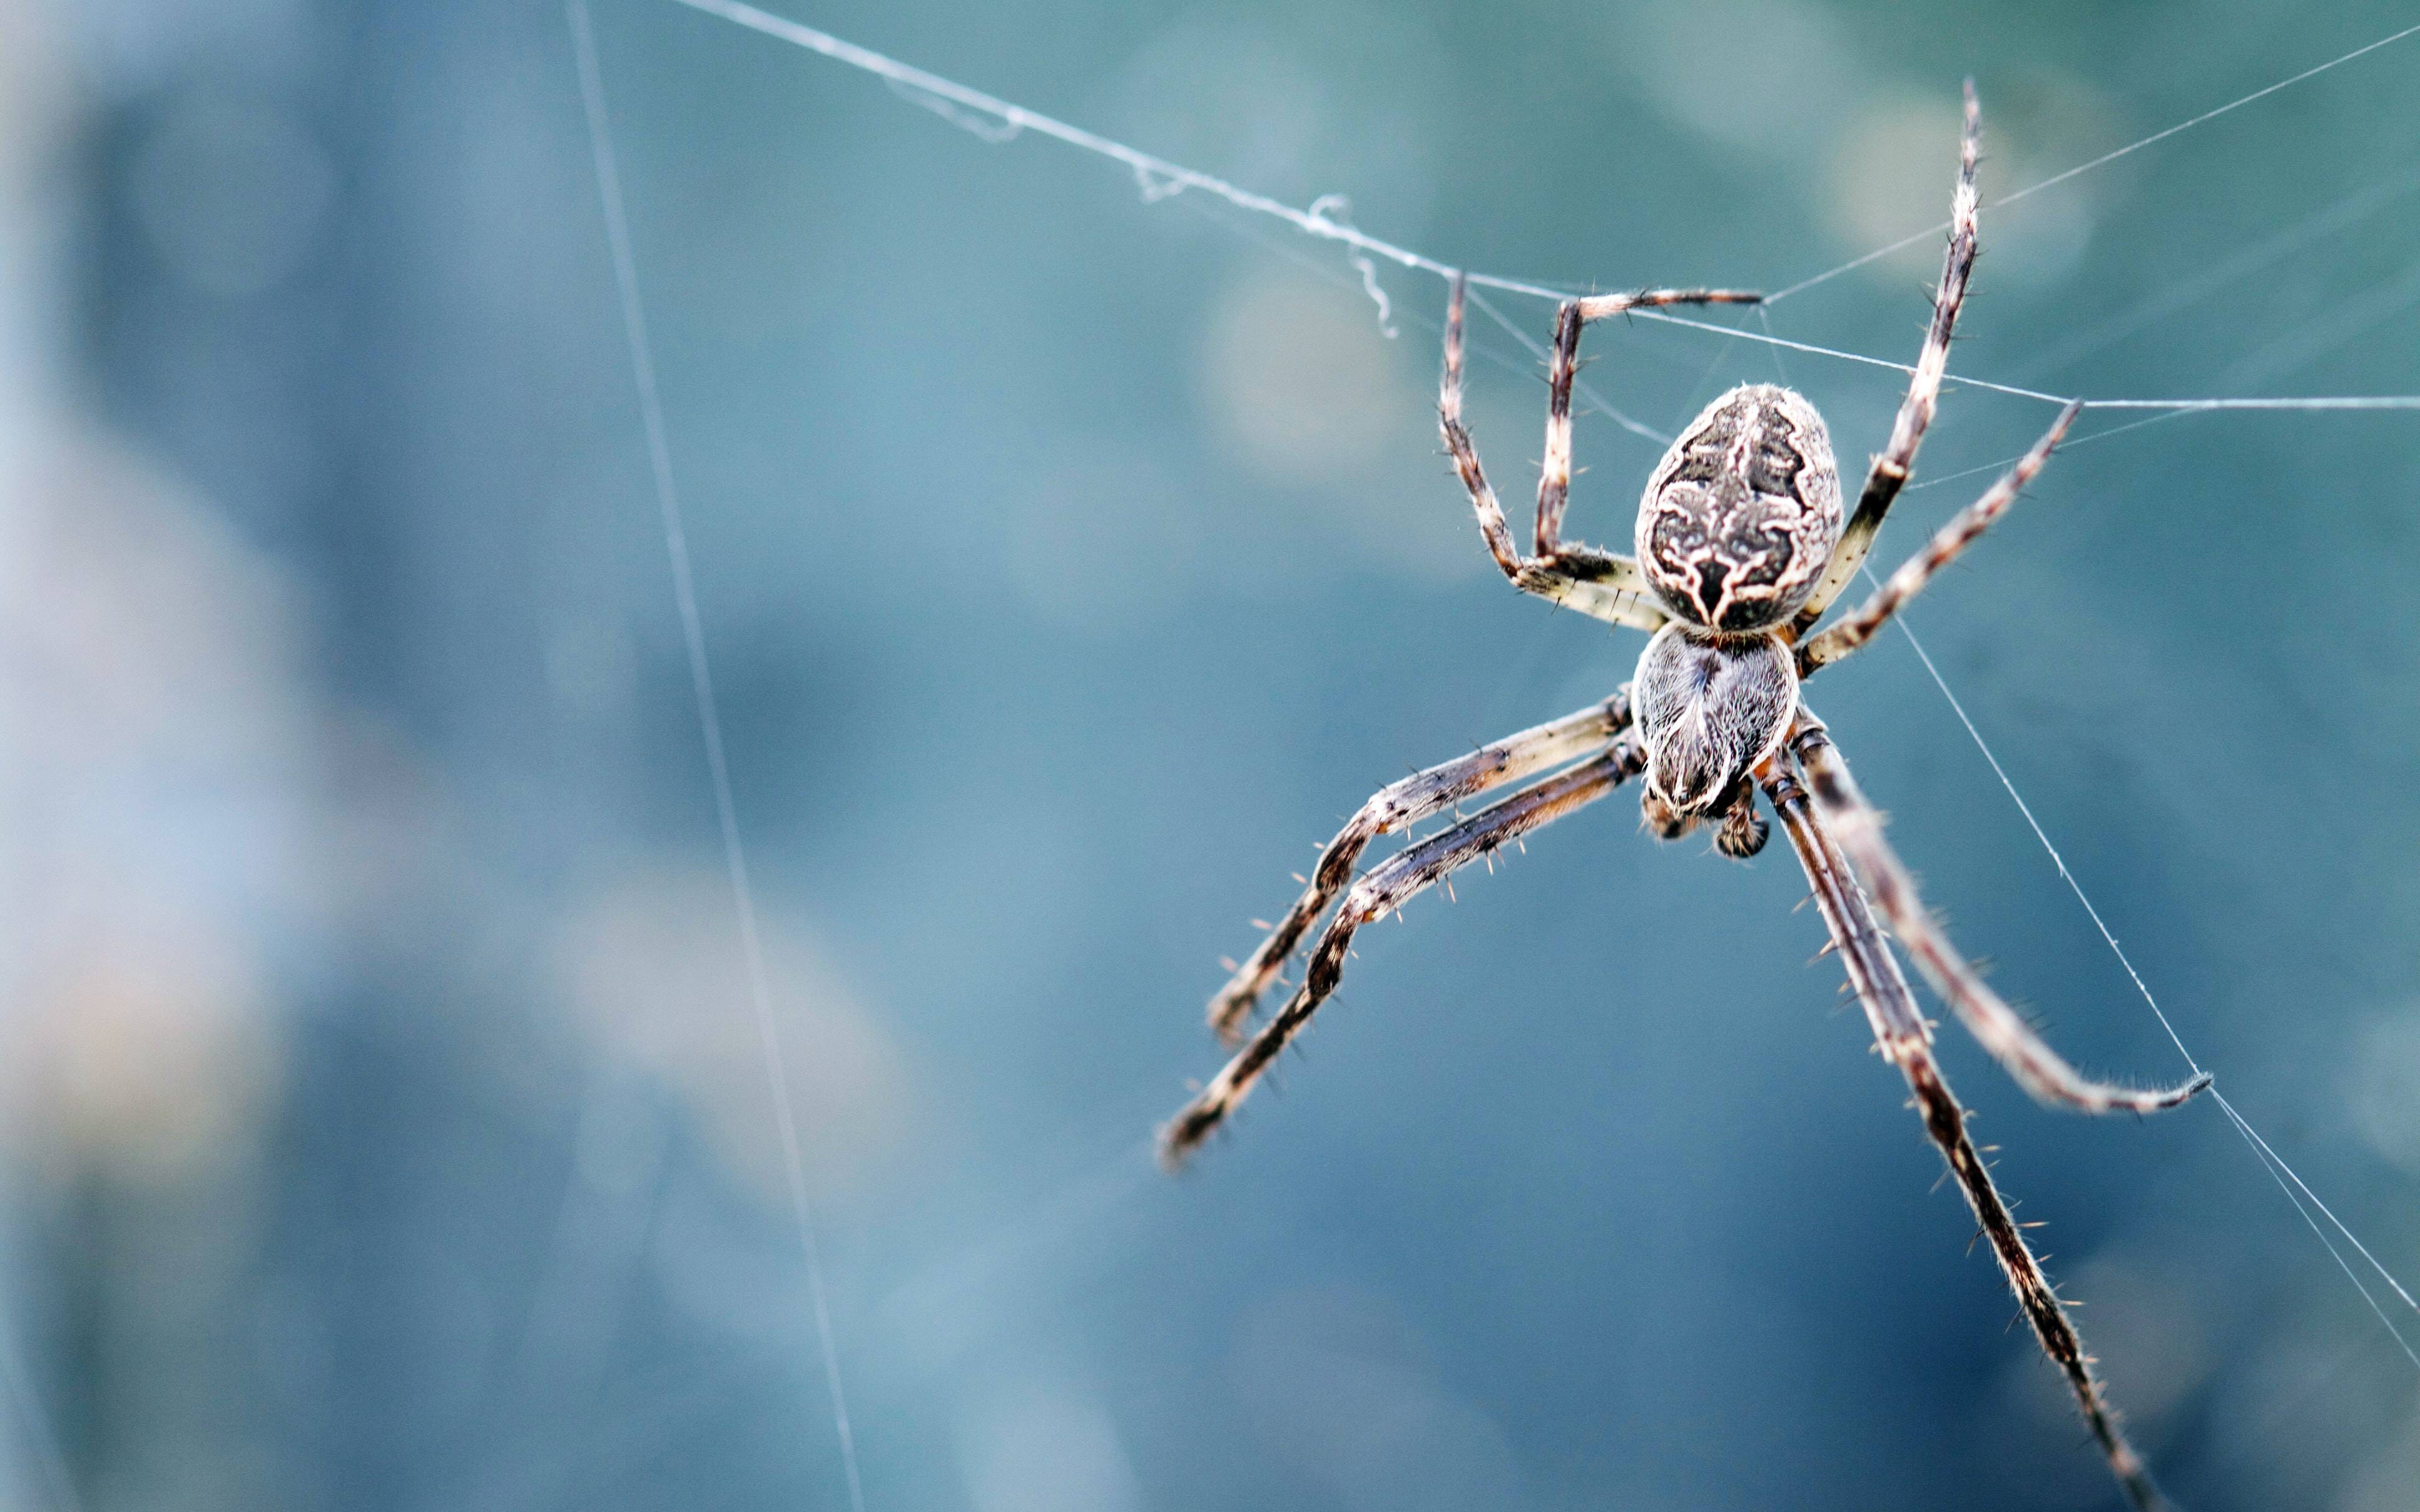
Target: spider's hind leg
1597,583
1964,528
1891,468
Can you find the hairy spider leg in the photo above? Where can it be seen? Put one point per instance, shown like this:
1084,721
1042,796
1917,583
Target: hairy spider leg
1964,528
1897,460
2037,1068
1907,1042
1563,368
1599,584
1386,887
1514,759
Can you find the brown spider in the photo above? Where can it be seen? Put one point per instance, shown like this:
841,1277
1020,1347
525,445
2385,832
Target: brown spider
1740,548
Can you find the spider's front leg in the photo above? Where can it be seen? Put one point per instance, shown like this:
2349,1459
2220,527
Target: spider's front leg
1599,584
1514,759
1907,1042
2037,1068
1386,888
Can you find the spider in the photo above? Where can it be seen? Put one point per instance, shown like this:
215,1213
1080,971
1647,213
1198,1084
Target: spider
1741,548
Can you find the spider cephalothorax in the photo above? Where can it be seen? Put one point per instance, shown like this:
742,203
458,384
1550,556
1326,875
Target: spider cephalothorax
1742,549
1709,708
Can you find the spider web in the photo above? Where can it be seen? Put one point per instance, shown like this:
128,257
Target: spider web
998,122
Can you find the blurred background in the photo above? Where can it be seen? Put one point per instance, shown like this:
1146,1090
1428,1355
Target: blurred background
384,1122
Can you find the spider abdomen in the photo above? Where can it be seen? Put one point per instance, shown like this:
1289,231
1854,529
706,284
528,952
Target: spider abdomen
1739,519
1709,708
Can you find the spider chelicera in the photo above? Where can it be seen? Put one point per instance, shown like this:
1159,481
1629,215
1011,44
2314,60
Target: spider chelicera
1741,550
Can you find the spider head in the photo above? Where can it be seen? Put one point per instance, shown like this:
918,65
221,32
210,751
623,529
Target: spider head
1709,708
1739,519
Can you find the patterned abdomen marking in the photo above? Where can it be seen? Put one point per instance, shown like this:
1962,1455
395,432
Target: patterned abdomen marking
1740,515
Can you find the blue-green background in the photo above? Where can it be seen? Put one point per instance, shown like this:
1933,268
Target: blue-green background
387,1124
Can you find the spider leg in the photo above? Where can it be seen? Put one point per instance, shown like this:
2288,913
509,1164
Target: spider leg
1892,465
1853,631
1386,888
2012,1042
1907,1042
1514,759
1562,367
1599,584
